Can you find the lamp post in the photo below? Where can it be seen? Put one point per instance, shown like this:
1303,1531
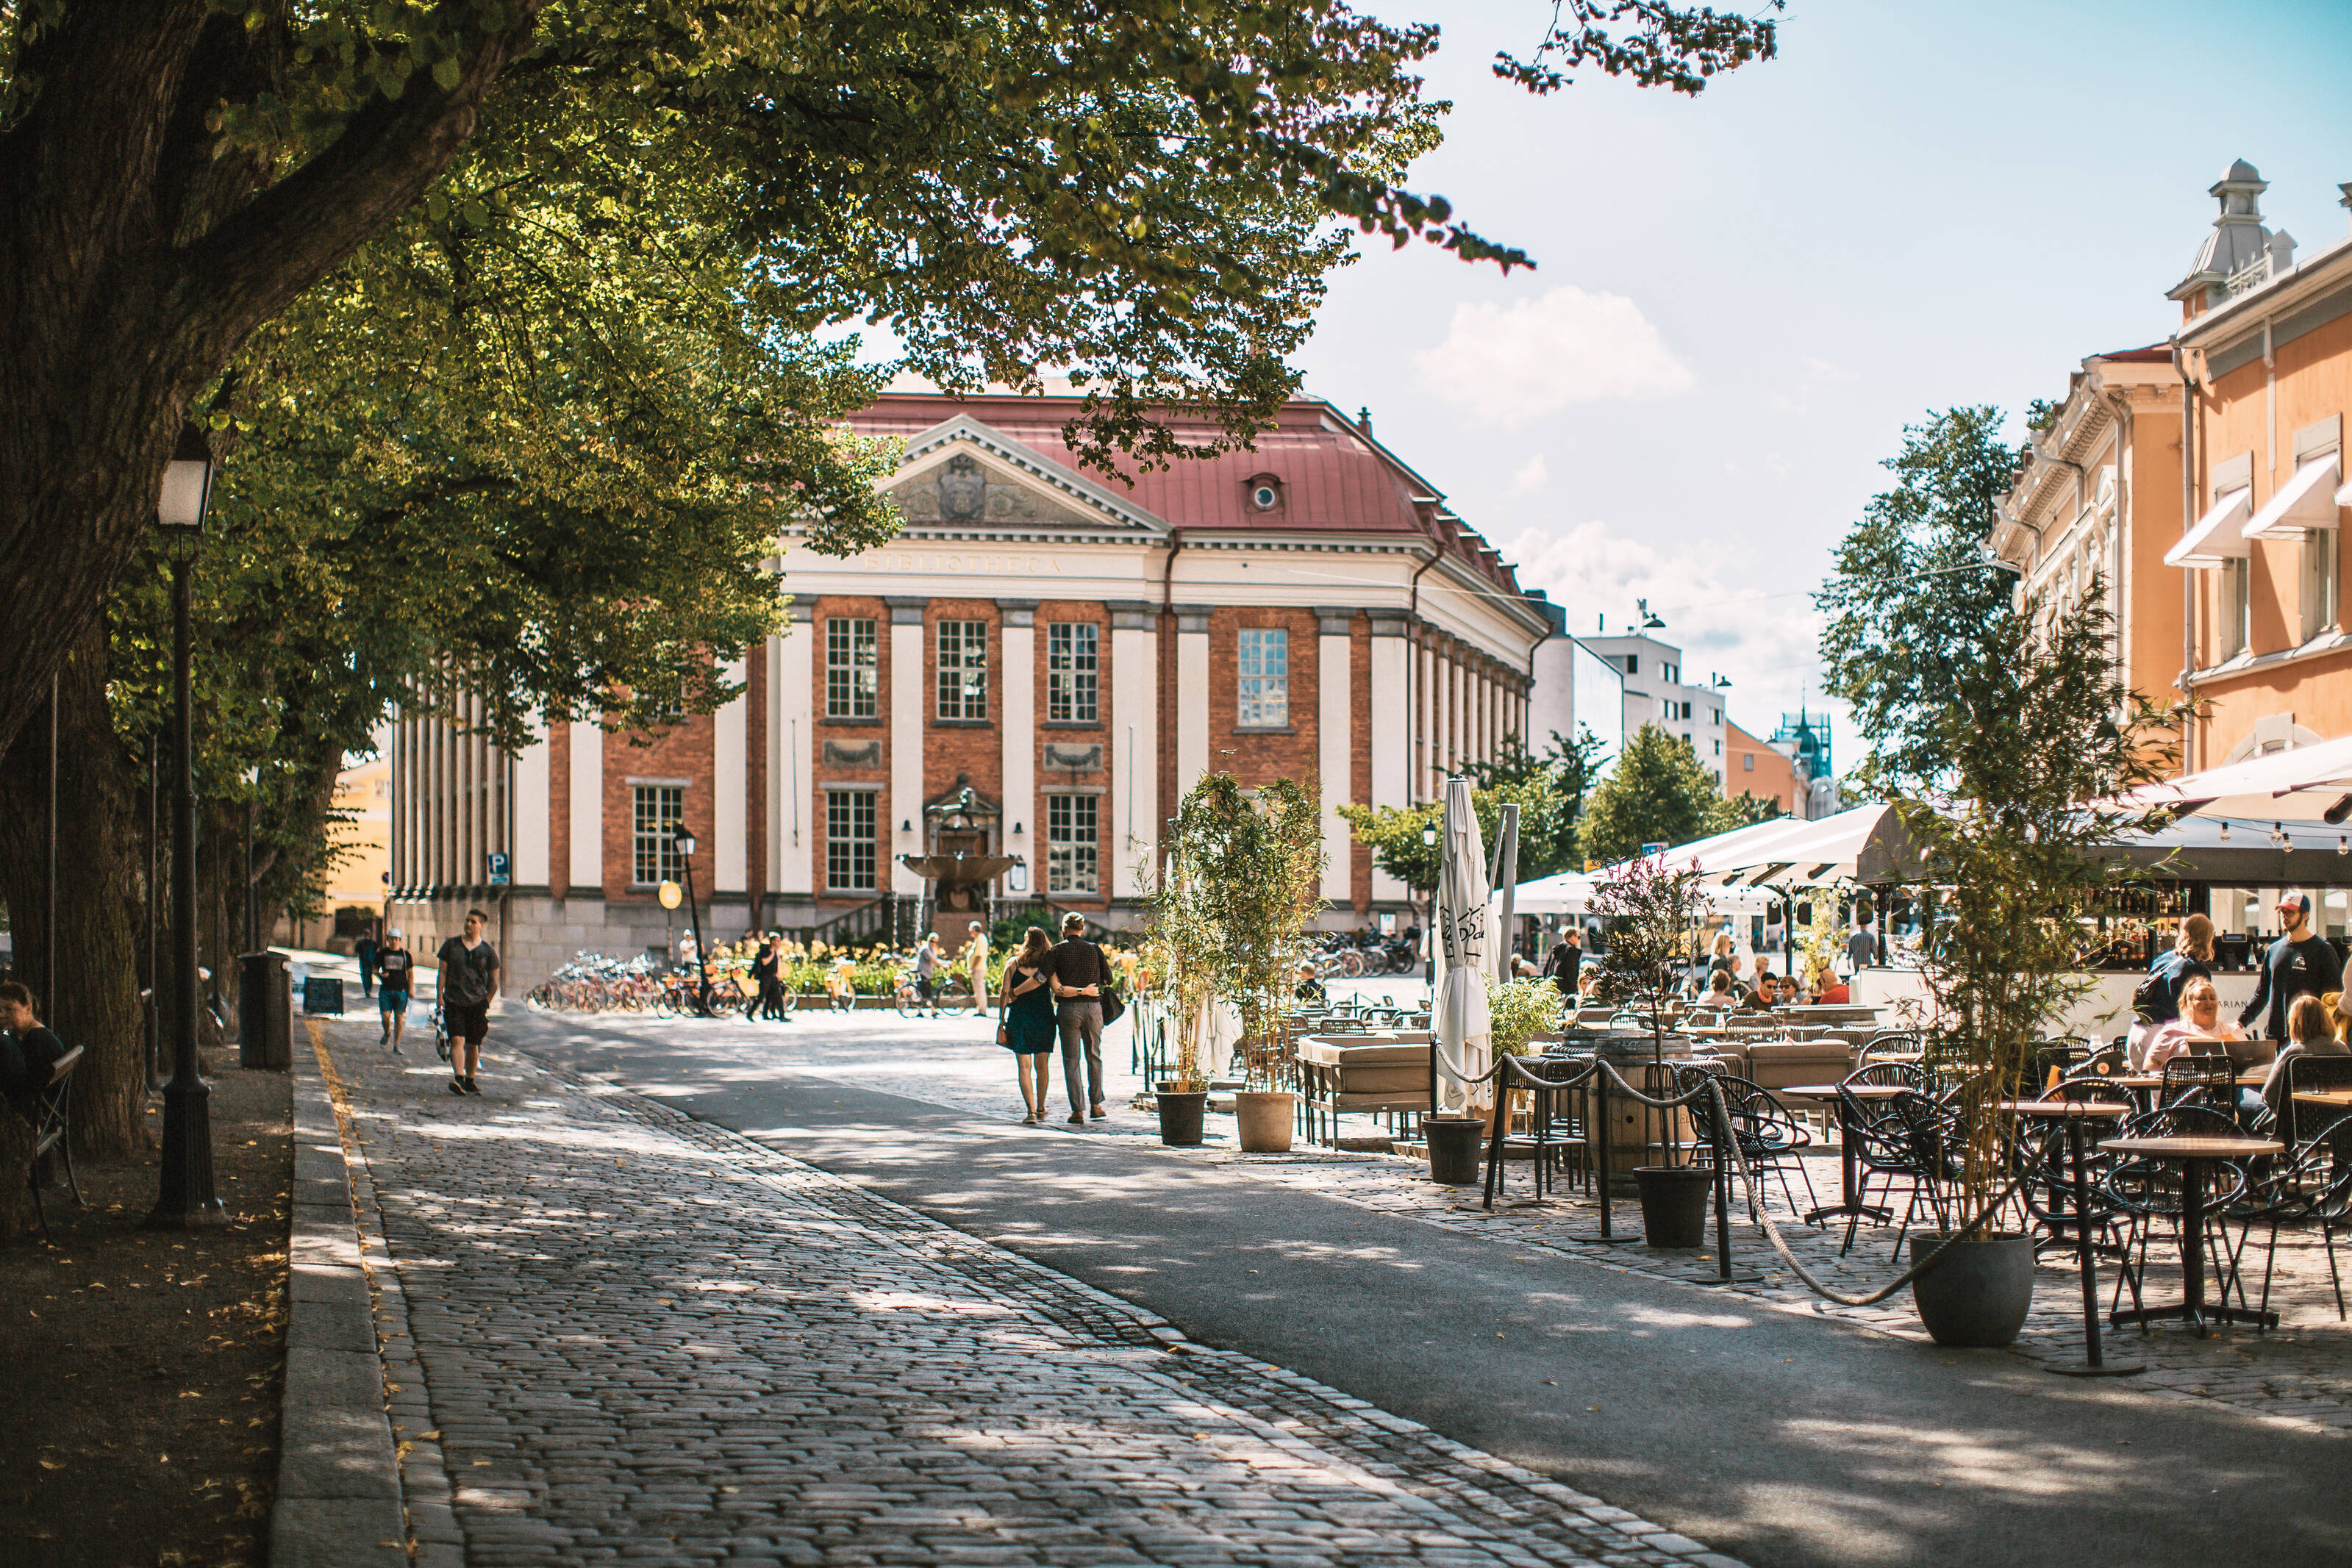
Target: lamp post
252,804
685,843
186,1198
1429,842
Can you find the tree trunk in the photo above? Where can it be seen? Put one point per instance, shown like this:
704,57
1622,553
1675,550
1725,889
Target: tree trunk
96,1004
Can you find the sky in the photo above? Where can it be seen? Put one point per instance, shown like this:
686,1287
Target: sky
1741,299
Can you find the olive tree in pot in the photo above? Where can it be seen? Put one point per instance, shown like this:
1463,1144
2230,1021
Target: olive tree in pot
1652,910
1181,954
2018,814
1255,863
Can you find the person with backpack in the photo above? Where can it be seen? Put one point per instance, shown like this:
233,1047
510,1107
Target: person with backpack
2158,1000
397,968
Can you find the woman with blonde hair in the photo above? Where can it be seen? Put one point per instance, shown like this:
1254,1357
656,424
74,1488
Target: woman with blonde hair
1028,1028
2311,1031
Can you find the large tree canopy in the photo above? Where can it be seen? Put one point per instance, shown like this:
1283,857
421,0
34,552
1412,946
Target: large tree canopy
1102,186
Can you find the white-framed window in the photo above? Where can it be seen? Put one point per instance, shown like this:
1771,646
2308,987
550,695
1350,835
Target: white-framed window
1072,843
2237,611
1265,666
963,669
1748,762
1073,671
853,687
656,813
849,840
2322,576
1719,749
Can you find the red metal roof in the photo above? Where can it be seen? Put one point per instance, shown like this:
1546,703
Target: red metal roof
1333,478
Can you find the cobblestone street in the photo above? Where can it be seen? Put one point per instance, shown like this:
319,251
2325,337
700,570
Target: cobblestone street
2300,1373
614,1332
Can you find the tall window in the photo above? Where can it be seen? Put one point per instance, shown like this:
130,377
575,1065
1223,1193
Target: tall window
2322,572
852,676
849,840
1265,677
963,669
1073,671
2237,609
656,814
1071,846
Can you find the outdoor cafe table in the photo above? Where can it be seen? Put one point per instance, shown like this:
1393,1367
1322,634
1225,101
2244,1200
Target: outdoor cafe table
1849,1200
2075,1113
2196,1157
2341,1098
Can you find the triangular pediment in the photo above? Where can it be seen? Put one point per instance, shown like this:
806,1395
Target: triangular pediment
961,475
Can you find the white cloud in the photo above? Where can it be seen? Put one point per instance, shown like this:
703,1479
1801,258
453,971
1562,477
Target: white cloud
1517,362
1815,377
1530,476
1766,644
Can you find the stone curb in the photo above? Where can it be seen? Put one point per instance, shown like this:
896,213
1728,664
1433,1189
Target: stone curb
339,1492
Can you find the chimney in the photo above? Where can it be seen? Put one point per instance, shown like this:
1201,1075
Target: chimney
1364,422
2281,246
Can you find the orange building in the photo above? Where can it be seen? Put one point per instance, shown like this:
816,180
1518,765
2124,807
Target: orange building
2266,345
1752,767
2098,498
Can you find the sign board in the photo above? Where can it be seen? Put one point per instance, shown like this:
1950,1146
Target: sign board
671,897
1016,878
1649,850
322,995
499,864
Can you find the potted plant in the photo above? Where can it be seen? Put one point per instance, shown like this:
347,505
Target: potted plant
1652,911
1181,954
2036,746
1267,846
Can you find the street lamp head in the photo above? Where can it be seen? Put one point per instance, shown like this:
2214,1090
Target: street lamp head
1429,838
684,840
187,485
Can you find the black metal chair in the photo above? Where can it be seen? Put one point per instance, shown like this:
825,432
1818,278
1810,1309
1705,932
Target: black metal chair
2306,1073
2146,1190
2208,1081
1768,1134
53,1131
2311,1186
1555,1135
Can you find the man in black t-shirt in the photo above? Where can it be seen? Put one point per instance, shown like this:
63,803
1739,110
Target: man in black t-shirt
469,980
1078,973
397,965
2299,963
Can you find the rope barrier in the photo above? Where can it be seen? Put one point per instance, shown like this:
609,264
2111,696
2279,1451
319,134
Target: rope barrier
1726,1144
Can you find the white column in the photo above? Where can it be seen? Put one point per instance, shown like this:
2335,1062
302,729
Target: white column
1016,690
730,839
1192,698
906,693
532,809
1134,743
1334,735
587,809
1392,675
791,757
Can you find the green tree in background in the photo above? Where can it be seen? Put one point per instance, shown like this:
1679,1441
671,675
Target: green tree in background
1550,790
1656,794
1914,597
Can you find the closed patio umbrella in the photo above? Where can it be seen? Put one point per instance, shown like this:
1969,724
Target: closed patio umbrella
1462,1025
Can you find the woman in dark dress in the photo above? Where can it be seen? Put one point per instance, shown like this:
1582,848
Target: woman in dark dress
1029,1030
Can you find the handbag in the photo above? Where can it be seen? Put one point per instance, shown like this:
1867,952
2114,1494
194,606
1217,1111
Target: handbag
1114,1007
1003,1029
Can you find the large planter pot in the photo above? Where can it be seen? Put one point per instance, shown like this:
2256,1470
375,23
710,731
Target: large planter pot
1978,1294
1455,1145
1674,1204
1180,1117
1264,1120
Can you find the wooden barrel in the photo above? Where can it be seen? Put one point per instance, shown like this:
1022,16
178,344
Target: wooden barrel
1638,1135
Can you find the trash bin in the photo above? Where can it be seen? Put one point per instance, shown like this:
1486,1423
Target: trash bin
265,1012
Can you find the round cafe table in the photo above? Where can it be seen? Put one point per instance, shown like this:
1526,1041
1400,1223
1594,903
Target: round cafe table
2074,1113
2196,1157
1849,1202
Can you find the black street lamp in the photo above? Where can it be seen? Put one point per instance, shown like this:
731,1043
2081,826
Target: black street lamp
252,806
685,843
186,1199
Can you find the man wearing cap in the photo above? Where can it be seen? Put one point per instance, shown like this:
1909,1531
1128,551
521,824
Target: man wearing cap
2299,963
396,978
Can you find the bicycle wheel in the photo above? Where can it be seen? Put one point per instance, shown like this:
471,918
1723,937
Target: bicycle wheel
543,996
908,1004
665,1003
956,993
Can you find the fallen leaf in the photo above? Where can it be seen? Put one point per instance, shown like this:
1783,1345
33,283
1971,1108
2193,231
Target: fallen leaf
51,1465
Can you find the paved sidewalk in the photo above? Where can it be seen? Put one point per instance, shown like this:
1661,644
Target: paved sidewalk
628,1335
2300,1373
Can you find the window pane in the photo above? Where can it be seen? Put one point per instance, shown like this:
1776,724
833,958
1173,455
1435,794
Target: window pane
849,840
852,676
1071,670
1264,674
656,812
1070,844
963,669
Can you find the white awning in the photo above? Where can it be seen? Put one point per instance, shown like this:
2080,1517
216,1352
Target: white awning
2305,501
2216,537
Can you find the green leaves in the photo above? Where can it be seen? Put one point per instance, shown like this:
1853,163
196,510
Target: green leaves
1656,794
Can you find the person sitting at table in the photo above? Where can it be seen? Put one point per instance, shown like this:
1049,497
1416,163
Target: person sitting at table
1719,990
2199,1022
1834,992
2310,1032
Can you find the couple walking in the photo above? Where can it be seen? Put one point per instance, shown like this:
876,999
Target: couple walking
1056,988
